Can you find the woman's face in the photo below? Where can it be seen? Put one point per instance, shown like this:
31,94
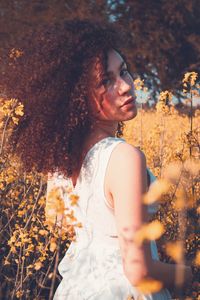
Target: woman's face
113,96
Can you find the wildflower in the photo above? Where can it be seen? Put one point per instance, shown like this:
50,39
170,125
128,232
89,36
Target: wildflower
175,250
38,265
6,262
43,232
165,98
180,202
151,231
19,110
12,108
157,189
19,294
138,84
53,245
55,207
197,259
189,78
15,53
149,285
50,275
74,199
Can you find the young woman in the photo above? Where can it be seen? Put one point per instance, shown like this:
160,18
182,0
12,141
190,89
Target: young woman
77,91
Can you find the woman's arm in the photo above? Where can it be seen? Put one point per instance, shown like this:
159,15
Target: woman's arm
127,184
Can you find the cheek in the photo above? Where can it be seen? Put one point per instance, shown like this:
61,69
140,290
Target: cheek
109,100
111,94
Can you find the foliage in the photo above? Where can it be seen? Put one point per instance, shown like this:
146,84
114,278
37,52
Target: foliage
35,230
163,35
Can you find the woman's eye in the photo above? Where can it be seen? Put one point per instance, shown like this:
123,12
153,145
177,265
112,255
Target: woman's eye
106,81
123,72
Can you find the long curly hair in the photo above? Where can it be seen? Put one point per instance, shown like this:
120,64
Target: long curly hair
52,80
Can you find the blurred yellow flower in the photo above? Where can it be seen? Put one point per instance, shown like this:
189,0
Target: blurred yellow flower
174,250
138,84
156,191
150,231
74,199
15,53
38,265
172,172
19,294
197,259
180,202
190,77
19,110
43,232
149,285
53,245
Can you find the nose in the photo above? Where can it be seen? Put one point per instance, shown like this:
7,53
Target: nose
123,86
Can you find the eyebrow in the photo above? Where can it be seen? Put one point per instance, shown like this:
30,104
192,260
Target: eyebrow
120,66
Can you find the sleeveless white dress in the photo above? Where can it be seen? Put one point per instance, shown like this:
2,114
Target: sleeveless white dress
92,266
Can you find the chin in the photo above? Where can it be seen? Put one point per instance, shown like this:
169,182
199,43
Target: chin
131,116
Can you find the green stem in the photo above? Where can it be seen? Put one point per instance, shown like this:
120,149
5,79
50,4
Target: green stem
191,120
141,129
3,135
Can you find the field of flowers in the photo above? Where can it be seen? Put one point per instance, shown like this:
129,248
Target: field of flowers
32,245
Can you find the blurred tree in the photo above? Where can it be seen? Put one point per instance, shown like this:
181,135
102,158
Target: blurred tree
17,16
163,36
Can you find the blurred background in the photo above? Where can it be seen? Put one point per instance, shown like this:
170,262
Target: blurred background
163,49
163,36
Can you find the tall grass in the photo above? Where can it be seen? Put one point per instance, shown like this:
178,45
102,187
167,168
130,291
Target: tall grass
36,231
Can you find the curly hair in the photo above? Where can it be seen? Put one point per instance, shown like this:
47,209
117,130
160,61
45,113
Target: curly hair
52,79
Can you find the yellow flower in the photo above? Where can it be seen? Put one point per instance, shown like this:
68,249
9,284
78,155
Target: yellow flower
50,275
180,201
15,53
12,108
197,259
19,109
38,265
190,78
1,124
149,285
151,231
54,209
173,172
165,96
6,262
198,210
138,84
43,232
156,191
19,294
53,245
175,250
74,199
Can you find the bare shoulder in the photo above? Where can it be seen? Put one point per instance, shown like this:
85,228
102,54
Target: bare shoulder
127,164
126,153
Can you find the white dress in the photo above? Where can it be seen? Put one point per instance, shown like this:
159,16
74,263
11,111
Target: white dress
92,266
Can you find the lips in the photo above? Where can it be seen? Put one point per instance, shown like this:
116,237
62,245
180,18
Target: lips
129,100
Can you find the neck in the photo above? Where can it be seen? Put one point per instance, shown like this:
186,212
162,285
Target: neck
102,128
